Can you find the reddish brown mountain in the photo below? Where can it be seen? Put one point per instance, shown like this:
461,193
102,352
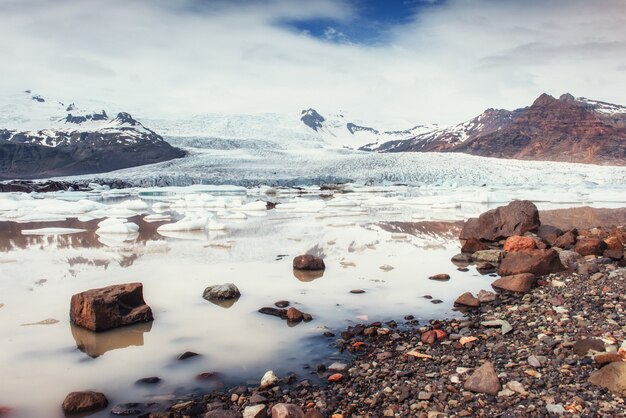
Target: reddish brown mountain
564,129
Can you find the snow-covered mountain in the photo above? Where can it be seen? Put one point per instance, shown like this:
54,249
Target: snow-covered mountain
41,137
565,129
308,129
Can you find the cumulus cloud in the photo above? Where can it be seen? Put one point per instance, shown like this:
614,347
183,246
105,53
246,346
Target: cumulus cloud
180,57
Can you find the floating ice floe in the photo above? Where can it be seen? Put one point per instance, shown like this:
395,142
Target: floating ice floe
254,206
157,217
136,205
116,226
216,226
185,224
52,231
232,216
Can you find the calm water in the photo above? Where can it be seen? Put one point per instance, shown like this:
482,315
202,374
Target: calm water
386,242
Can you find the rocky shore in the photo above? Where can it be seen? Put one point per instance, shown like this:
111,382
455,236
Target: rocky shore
546,338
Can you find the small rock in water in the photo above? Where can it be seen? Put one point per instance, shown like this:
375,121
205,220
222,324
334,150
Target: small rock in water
125,409
49,321
357,291
187,354
386,267
149,380
281,304
269,380
83,402
440,277
436,301
294,315
308,262
221,292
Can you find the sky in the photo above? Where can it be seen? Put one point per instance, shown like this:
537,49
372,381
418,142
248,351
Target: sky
397,61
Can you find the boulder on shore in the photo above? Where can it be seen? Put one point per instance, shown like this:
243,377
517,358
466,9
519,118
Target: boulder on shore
472,245
516,218
110,307
520,283
537,262
308,262
517,243
590,246
484,380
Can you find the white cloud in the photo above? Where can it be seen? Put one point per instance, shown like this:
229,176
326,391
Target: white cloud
183,56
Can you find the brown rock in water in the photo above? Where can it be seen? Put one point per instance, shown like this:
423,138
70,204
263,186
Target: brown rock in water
472,245
516,218
294,315
440,277
612,376
537,262
308,262
517,243
519,283
567,241
549,233
467,299
287,410
83,402
110,307
590,246
484,380
485,268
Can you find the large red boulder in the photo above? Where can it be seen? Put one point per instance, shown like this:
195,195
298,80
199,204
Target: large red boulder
537,262
472,245
516,243
110,307
516,218
590,246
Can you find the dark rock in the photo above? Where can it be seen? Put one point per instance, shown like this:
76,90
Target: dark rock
127,409
567,241
149,380
462,259
472,245
520,283
357,291
83,402
308,262
537,262
187,354
281,313
549,233
222,413
516,218
485,268
110,307
294,315
221,292
440,277
282,304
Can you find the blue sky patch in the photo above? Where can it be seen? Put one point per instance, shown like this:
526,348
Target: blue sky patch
370,25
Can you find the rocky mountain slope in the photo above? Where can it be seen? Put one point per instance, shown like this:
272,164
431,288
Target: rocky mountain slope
565,129
41,138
